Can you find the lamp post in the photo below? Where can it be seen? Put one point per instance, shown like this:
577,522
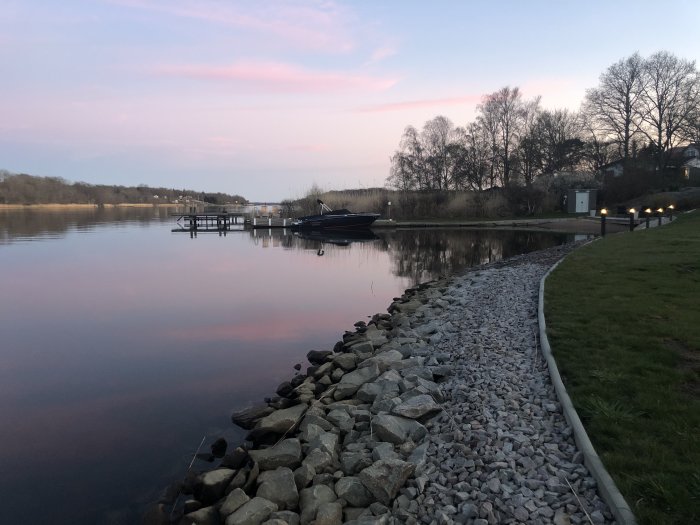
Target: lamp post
603,215
648,213
671,207
660,213
388,209
631,211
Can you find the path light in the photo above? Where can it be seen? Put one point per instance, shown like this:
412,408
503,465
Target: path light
603,215
631,211
660,212
648,213
670,208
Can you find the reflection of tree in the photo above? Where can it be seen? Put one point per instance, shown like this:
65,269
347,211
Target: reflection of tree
422,255
29,223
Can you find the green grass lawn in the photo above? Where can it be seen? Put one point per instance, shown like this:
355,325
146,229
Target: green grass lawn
623,318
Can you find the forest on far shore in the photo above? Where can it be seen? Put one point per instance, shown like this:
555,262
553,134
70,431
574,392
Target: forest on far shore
29,189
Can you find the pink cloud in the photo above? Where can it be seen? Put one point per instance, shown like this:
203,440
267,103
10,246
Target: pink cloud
321,26
414,104
280,77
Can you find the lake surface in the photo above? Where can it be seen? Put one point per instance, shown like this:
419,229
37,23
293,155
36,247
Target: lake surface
123,344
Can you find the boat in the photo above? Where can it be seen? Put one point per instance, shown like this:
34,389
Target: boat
330,219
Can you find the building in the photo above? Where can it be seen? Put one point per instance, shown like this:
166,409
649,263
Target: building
581,201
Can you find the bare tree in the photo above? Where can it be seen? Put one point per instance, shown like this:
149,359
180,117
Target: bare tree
504,114
669,100
475,162
613,107
436,138
599,149
407,164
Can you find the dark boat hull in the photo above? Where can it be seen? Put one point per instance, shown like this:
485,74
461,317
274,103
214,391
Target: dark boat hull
329,221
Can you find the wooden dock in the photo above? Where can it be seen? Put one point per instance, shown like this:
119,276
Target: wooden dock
224,221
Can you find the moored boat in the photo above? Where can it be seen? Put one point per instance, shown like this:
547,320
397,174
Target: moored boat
335,219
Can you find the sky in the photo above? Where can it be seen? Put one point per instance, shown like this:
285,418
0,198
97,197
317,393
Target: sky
265,99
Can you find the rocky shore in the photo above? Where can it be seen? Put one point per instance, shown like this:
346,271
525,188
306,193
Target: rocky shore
440,411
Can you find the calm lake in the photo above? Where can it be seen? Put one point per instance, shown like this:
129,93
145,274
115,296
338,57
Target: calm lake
123,344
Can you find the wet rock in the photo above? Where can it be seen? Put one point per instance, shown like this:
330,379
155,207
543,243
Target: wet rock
278,486
285,389
318,357
218,448
235,459
384,478
253,512
248,417
286,453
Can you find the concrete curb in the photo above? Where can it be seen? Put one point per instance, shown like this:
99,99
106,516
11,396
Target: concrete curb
608,490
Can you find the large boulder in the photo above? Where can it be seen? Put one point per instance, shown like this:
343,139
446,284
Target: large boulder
347,362
384,478
351,382
212,485
397,429
327,442
329,514
234,501
286,453
253,512
417,407
205,516
310,499
318,357
281,421
278,486
384,360
351,489
248,417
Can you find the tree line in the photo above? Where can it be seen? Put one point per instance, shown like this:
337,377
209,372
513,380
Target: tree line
29,189
649,104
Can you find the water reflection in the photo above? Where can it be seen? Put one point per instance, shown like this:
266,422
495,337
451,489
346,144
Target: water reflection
122,343
26,224
419,254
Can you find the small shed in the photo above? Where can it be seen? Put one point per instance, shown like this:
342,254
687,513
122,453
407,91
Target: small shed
580,201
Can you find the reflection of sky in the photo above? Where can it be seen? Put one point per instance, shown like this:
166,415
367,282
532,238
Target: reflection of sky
123,344
120,346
